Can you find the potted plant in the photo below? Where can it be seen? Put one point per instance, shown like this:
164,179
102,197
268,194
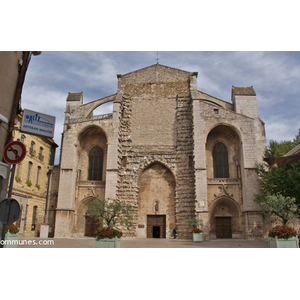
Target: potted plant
282,236
195,223
285,208
11,236
107,237
113,214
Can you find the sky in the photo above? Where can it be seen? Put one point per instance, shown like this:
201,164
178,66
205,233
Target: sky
275,76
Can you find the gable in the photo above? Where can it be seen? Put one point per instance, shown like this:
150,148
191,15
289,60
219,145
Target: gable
156,73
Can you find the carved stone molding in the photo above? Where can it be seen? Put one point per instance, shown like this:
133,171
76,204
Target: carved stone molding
223,191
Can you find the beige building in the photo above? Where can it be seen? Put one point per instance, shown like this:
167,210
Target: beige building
10,66
170,150
32,177
13,67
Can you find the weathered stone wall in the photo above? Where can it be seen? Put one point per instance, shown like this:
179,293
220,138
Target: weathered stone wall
185,176
156,126
158,150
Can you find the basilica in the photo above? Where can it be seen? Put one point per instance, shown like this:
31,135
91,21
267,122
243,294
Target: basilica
170,150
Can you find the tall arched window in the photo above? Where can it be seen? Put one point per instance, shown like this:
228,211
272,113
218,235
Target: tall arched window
38,175
220,158
31,149
95,164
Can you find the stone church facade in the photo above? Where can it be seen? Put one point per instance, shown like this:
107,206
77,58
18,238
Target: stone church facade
170,150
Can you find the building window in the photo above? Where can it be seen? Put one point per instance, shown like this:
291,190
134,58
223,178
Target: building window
95,164
38,175
31,149
220,159
29,170
216,111
41,156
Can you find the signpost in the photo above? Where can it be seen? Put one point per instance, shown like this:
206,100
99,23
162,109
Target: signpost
14,153
9,212
37,123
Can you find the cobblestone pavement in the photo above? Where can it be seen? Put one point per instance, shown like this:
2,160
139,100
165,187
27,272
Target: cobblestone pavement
141,243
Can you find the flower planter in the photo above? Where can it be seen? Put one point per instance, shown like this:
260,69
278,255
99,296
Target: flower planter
197,237
108,243
11,240
284,243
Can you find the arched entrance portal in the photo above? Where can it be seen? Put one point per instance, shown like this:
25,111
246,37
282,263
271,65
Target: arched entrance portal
90,226
84,224
225,219
156,206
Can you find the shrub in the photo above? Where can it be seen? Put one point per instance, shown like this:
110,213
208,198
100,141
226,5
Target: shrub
107,232
282,232
12,228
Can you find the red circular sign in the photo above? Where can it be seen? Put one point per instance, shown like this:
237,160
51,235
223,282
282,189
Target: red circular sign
14,152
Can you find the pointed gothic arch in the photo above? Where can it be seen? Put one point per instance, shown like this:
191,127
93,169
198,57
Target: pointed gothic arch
156,202
225,218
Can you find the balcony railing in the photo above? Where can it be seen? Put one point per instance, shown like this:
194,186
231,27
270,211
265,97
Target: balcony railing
85,119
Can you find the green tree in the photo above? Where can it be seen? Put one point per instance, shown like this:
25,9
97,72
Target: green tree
112,212
284,180
282,207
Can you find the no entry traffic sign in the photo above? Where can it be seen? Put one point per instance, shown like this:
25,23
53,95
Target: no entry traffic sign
14,152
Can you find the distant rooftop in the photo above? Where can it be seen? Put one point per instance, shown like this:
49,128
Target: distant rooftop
246,91
75,96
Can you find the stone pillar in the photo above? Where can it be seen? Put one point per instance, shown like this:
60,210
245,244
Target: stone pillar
68,171
200,161
113,154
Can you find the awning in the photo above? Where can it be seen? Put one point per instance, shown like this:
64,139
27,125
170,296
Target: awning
276,162
289,158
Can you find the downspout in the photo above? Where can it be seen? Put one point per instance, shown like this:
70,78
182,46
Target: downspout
47,196
25,216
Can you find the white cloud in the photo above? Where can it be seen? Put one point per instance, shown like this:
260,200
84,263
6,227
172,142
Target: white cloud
274,75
